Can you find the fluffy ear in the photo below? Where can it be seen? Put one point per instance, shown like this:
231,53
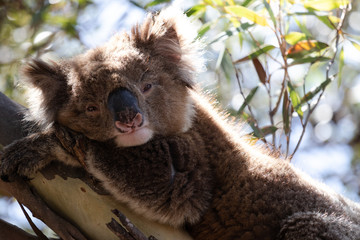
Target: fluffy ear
171,35
48,90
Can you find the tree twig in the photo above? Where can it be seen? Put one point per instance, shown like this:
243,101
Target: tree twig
37,231
328,68
22,192
132,231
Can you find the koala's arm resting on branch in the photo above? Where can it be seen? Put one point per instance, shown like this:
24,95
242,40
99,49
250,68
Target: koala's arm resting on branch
69,192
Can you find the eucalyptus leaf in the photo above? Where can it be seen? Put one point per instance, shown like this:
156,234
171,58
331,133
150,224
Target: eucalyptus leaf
248,99
264,131
256,54
311,94
156,2
196,10
295,100
325,5
341,66
285,112
303,60
293,37
240,11
305,47
270,11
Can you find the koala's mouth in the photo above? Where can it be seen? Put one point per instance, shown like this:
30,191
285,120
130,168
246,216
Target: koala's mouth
130,126
133,136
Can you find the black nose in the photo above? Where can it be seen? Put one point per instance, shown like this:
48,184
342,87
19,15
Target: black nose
125,108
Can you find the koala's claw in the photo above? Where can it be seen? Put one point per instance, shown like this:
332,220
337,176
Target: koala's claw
6,172
20,161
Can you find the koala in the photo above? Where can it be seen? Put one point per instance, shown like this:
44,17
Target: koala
157,144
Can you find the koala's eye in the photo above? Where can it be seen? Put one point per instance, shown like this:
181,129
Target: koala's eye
91,108
147,87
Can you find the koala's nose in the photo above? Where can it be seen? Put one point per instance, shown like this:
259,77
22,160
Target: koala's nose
124,106
127,124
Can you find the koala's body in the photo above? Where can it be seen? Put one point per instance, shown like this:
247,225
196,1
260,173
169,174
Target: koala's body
159,146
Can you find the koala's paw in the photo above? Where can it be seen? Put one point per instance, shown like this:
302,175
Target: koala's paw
18,161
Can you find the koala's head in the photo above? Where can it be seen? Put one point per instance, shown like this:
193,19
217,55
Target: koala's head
133,87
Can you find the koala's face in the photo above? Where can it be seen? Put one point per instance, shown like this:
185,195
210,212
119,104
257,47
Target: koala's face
128,99
130,89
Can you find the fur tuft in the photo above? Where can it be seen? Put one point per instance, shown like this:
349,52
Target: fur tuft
171,35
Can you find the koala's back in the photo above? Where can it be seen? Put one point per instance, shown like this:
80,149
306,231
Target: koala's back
256,196
254,201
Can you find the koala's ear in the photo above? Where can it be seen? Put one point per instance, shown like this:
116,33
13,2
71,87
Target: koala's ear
41,74
170,34
49,89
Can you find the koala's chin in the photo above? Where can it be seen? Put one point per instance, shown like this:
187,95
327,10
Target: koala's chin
136,137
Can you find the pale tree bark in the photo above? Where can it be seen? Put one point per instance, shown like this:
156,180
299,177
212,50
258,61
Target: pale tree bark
68,200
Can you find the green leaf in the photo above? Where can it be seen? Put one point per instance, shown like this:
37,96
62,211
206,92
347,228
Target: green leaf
245,26
270,11
341,66
240,11
204,29
308,96
328,20
209,2
136,4
295,100
355,44
248,99
226,65
220,57
241,39
309,60
196,10
325,5
285,112
218,2
222,36
156,2
230,2
256,54
264,131
235,21
245,116
293,37
256,131
303,29
246,3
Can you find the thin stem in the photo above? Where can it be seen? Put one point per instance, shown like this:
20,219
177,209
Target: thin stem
328,68
256,124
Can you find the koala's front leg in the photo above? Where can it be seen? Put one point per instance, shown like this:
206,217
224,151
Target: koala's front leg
26,156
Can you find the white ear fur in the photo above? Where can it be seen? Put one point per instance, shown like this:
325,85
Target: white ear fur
172,36
48,86
191,49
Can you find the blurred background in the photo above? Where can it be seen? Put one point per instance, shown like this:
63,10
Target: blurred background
289,69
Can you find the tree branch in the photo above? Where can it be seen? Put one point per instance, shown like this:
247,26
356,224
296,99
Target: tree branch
11,115
11,125
22,192
84,206
12,232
